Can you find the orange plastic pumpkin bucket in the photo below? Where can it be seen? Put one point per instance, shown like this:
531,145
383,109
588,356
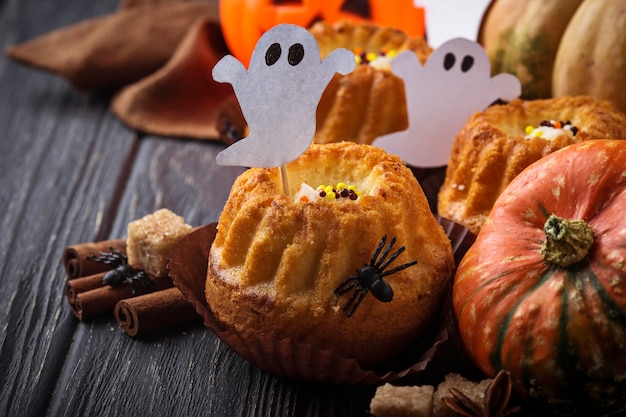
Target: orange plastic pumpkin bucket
244,21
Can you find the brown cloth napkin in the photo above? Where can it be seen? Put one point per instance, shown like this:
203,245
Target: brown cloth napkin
159,53
181,98
114,50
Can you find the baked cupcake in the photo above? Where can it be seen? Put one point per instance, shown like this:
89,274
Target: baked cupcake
369,101
358,269
497,144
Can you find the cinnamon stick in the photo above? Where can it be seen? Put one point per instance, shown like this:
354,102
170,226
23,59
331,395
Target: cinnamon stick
76,262
137,313
101,300
149,312
75,286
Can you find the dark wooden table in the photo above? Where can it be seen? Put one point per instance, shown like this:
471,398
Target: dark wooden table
70,172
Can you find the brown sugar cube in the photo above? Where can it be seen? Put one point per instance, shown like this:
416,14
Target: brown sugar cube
150,239
410,401
475,391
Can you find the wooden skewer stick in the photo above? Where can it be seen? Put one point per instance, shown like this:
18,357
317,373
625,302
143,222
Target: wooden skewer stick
284,180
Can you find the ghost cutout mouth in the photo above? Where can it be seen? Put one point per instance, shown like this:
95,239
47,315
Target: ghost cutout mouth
454,83
279,95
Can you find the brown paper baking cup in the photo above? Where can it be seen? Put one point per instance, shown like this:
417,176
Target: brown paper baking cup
287,357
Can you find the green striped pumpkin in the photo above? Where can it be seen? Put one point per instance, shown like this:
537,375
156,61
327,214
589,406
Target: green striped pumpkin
542,292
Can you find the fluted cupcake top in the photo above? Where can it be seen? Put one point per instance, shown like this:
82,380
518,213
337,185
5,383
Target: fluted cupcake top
290,268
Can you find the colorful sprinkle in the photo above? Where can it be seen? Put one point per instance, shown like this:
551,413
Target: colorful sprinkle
369,57
362,57
550,129
340,191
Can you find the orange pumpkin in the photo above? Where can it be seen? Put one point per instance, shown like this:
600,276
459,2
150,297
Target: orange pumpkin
244,21
542,291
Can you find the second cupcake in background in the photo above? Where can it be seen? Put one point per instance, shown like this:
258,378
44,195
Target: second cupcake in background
497,144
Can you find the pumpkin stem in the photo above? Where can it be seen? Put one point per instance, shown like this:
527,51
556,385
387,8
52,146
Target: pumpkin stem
567,241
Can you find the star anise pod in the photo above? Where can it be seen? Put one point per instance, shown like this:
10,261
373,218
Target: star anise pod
495,400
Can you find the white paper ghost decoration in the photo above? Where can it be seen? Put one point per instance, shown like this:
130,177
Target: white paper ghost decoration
449,19
279,94
454,83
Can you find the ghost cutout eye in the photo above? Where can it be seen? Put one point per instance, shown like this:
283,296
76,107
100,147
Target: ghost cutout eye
448,61
296,53
468,62
273,54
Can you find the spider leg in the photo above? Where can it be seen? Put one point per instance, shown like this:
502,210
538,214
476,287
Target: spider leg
392,258
145,280
114,258
357,290
385,253
361,293
141,278
120,254
130,280
347,285
398,268
378,249
104,258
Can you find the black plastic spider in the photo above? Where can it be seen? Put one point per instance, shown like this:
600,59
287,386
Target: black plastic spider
121,272
370,277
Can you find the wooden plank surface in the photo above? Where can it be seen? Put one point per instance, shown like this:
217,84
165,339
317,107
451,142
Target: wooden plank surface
70,172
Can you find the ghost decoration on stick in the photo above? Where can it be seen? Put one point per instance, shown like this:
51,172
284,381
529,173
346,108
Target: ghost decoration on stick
454,83
279,94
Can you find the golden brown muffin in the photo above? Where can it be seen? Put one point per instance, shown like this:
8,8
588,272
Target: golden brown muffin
275,264
494,146
369,101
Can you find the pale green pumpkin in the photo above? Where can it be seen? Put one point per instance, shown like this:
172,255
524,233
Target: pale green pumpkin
591,59
522,38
